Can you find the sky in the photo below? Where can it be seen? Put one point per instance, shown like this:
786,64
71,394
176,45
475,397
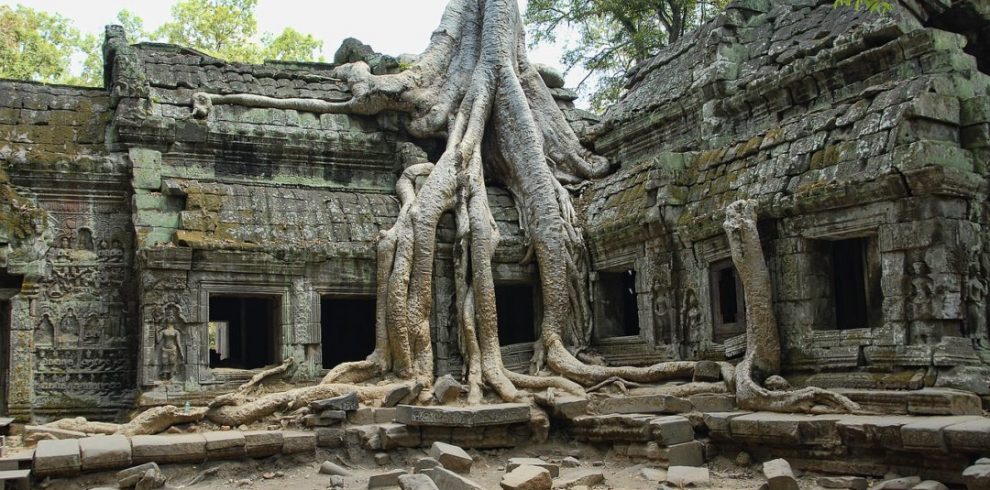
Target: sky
389,26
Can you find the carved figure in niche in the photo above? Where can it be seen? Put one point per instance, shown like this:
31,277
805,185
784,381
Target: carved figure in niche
169,342
84,240
976,295
103,252
116,251
64,247
921,288
691,319
661,312
93,330
44,333
68,329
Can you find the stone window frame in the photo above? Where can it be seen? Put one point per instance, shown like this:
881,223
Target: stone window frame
714,293
281,292
345,291
628,258
712,252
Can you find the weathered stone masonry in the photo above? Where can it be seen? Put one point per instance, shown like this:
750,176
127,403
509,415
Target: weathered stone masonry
865,140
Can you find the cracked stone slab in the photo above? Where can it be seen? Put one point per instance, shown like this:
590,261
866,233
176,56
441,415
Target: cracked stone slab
479,416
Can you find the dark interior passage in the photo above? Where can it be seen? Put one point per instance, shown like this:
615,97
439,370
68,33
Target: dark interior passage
617,310
348,329
516,313
728,301
243,331
856,283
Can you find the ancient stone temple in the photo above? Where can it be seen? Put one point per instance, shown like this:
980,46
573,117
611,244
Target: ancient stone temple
156,249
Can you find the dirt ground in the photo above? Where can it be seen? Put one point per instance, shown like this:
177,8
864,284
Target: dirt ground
302,472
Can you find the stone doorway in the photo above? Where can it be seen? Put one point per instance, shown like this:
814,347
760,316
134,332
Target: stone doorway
347,328
247,336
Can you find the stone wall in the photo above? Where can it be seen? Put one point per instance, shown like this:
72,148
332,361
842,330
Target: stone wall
843,125
68,244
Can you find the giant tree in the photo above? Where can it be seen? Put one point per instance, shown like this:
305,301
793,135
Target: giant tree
475,87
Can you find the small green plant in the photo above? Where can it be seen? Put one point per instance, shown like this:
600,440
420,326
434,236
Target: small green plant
874,6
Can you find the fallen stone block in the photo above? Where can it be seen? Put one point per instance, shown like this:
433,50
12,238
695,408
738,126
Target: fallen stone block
228,444
448,480
57,458
325,418
344,403
779,475
843,482
672,430
527,477
298,442
401,394
447,389
930,485
399,435
182,448
582,478
706,371
131,476
105,452
977,477
570,462
476,416
330,468
416,482
387,479
425,463
451,457
685,476
904,483
262,444
653,475
569,407
15,479
686,454
553,468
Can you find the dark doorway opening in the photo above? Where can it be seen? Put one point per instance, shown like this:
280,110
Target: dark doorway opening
4,353
728,301
347,326
856,283
516,314
618,311
243,333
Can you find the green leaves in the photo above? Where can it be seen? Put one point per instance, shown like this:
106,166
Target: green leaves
36,45
613,35
874,6
40,46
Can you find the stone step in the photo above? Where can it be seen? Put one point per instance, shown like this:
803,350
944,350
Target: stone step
15,479
927,401
474,416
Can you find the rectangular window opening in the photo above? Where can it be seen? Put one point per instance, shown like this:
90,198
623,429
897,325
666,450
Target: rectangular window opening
347,326
728,301
515,306
618,310
855,277
242,331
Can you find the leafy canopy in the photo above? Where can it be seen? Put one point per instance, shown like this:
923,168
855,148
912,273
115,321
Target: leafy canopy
36,45
608,37
39,46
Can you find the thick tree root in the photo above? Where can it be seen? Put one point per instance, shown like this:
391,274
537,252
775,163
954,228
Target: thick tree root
762,335
260,378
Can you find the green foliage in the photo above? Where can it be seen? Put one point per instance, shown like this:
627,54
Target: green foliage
613,35
36,45
228,30
290,45
40,46
874,6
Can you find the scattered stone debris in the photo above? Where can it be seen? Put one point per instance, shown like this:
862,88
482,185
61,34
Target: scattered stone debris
527,477
330,468
416,482
553,468
451,457
901,483
977,477
843,482
387,479
779,475
685,476
586,478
